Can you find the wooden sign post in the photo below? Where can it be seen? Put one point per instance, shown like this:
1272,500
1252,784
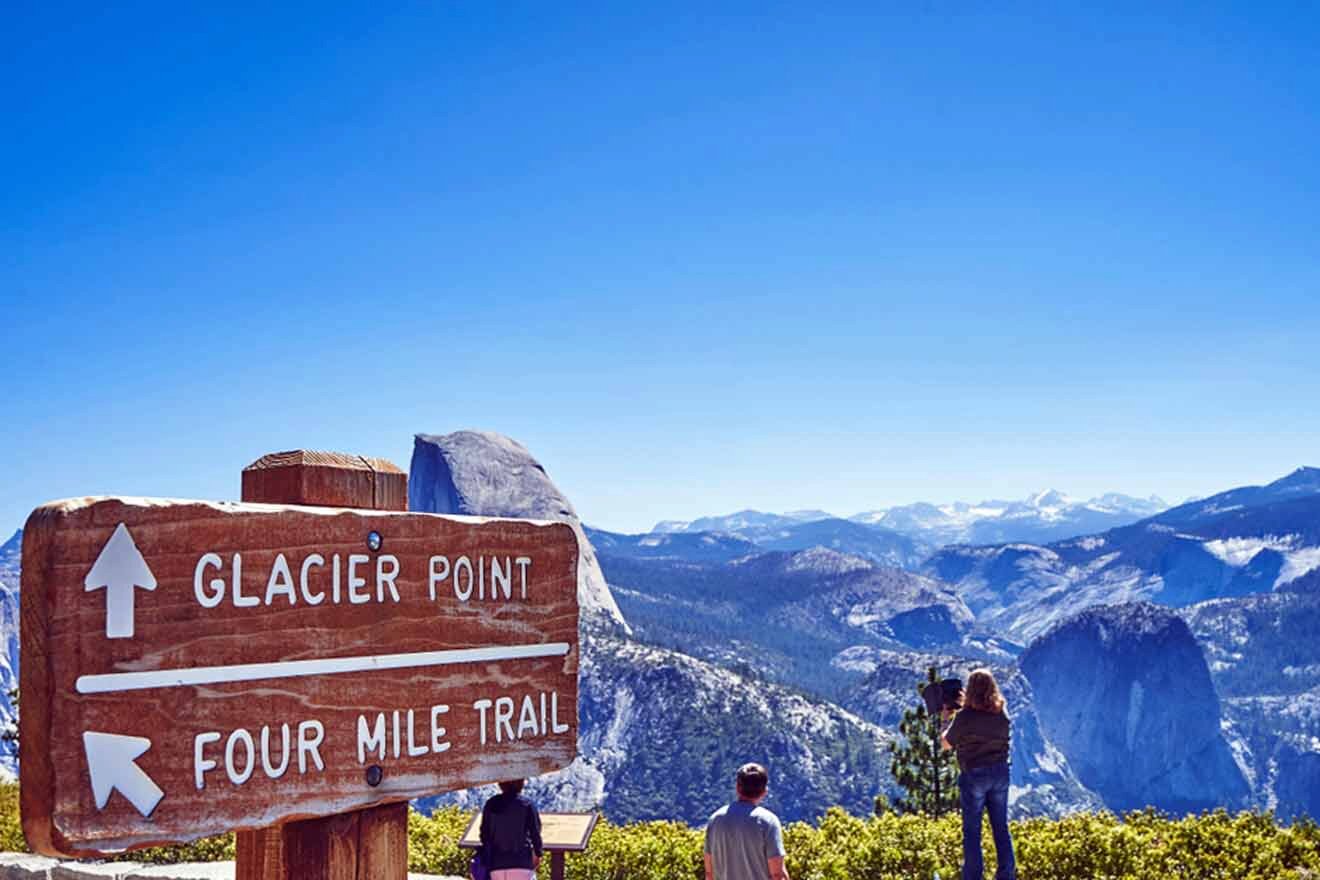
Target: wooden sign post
364,843
195,667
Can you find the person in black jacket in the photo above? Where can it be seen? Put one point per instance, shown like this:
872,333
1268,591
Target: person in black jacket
510,834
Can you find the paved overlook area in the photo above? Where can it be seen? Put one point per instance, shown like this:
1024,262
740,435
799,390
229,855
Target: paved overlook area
21,866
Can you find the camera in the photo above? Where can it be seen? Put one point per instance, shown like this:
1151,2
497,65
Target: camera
940,695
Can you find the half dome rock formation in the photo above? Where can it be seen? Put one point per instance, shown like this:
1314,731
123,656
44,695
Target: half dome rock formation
1125,693
480,473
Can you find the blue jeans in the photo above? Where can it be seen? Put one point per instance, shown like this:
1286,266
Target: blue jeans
986,788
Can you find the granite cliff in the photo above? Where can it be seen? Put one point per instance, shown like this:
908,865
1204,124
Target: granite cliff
1125,693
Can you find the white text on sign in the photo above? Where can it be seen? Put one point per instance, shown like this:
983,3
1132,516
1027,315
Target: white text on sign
299,747
355,579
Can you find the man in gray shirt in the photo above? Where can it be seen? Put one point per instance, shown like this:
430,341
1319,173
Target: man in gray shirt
744,840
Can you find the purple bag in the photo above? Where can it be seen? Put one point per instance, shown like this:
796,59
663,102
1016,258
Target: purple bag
478,868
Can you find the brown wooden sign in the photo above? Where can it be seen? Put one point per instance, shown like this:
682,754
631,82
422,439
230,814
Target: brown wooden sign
193,667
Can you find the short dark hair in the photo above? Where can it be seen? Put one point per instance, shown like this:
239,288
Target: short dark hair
512,786
752,780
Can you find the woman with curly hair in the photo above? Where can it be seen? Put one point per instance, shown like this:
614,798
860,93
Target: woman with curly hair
980,733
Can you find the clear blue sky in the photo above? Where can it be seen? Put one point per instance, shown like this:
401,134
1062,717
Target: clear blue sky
696,261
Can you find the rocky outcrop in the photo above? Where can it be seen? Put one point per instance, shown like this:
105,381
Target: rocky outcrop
1125,694
485,474
668,733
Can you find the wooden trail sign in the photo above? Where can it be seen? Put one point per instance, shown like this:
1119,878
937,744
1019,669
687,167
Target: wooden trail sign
197,667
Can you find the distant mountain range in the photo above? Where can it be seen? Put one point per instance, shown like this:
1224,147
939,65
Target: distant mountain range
1041,517
896,534
1244,541
874,543
687,546
743,523
1167,659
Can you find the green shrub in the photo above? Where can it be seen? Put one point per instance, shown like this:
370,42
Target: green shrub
641,850
433,842
208,849
11,830
1096,846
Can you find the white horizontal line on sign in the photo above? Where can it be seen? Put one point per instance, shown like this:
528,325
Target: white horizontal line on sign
113,682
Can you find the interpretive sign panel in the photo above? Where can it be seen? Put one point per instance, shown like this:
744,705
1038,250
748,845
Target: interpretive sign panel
196,667
564,832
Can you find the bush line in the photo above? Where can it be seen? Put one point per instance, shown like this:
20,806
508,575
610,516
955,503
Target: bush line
1211,846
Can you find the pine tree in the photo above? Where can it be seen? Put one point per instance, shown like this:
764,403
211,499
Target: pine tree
927,772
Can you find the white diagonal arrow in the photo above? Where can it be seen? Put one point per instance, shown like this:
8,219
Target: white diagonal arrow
120,569
111,762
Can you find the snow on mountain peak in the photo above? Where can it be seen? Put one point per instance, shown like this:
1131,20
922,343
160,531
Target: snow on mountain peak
1041,517
1048,498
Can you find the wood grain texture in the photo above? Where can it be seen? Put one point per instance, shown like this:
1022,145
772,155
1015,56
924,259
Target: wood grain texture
37,781
329,479
369,844
263,854
383,843
64,638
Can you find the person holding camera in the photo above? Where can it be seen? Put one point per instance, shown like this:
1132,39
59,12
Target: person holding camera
980,733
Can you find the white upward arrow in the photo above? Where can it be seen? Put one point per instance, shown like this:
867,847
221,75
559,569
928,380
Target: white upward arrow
120,569
111,764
